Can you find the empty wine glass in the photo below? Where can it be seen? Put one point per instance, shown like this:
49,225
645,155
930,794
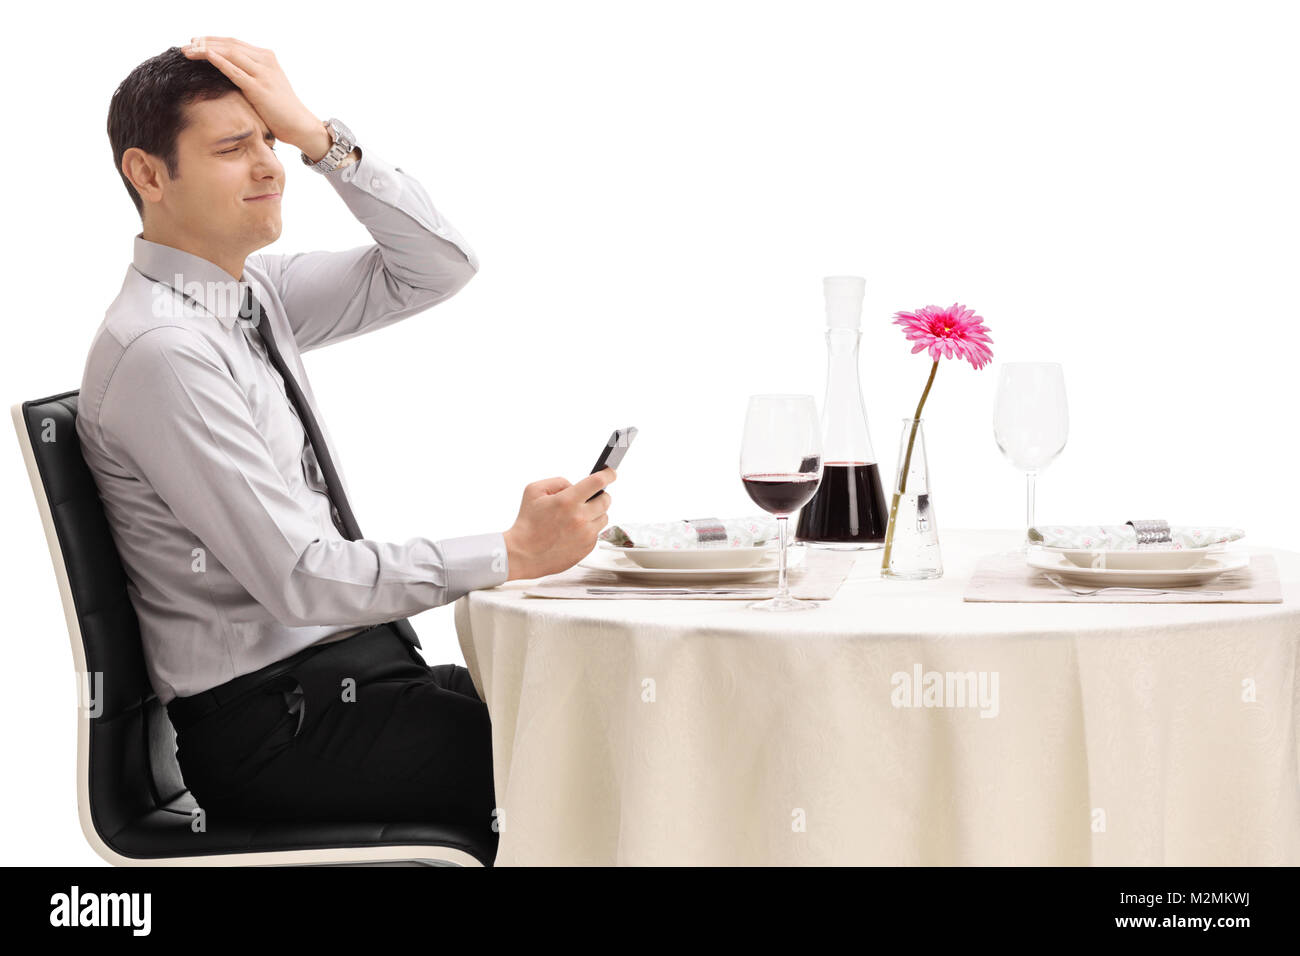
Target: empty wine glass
1031,421
781,466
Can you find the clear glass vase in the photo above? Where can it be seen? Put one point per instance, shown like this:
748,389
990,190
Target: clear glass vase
912,539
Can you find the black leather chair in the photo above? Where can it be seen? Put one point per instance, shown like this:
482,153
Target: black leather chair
134,806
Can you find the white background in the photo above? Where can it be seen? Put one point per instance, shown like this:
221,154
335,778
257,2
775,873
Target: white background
655,191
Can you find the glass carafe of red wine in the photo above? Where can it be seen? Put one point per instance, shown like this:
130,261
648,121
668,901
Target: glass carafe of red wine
848,513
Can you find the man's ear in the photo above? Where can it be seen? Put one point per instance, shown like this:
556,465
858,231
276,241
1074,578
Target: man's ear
146,173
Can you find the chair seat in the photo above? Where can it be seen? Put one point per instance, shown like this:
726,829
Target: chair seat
166,832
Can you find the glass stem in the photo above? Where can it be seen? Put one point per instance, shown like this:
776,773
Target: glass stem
1029,501
781,591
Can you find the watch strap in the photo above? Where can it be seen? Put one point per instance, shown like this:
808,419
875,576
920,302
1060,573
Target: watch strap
344,143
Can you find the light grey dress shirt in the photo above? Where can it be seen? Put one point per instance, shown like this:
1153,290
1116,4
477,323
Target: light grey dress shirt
212,492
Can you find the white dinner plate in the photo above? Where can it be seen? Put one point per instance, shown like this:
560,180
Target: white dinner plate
1207,569
692,558
1155,559
609,560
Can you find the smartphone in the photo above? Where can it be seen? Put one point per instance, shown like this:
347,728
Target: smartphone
611,456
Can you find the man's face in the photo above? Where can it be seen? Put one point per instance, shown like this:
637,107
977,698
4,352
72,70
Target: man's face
225,158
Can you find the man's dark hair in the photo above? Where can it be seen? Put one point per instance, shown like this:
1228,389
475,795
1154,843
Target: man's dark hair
148,108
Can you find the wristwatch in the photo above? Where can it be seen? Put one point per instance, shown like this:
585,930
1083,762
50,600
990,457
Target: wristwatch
344,141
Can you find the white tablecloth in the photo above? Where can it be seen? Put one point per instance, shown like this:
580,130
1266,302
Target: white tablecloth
699,732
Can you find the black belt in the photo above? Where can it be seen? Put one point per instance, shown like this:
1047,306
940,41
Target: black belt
184,711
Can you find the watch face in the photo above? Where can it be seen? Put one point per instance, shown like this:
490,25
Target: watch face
344,142
343,134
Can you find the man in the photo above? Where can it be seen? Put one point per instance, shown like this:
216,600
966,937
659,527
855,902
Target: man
273,631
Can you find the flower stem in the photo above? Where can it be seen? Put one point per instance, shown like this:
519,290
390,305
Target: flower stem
907,464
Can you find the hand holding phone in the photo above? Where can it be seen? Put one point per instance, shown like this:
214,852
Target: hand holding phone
611,456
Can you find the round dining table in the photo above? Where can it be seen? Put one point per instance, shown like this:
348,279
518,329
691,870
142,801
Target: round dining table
894,724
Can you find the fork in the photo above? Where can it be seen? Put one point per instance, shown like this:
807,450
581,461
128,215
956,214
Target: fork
668,590
1084,592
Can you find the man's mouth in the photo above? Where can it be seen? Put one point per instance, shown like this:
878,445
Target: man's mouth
262,197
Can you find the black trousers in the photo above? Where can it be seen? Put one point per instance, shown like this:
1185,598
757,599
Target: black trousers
355,730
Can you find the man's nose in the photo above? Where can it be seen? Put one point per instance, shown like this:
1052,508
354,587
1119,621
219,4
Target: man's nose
266,163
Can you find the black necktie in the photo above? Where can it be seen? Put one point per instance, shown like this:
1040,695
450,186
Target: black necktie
252,311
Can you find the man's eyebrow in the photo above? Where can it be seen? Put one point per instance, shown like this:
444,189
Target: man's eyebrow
241,136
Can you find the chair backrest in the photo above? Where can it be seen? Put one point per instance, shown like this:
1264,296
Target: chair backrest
126,744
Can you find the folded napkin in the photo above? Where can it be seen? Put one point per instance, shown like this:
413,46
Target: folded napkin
694,533
1123,537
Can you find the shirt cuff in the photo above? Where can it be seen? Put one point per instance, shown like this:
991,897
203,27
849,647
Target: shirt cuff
472,562
349,172
378,178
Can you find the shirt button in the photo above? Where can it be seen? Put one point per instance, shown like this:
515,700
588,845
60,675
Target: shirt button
376,183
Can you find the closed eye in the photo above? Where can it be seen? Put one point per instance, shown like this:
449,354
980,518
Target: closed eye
270,139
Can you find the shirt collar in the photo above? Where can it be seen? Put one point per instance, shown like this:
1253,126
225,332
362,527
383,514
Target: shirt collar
204,282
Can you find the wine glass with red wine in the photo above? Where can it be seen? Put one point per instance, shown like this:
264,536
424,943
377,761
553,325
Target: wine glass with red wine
781,466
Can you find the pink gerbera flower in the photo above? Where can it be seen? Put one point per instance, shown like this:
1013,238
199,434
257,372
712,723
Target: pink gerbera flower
955,330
